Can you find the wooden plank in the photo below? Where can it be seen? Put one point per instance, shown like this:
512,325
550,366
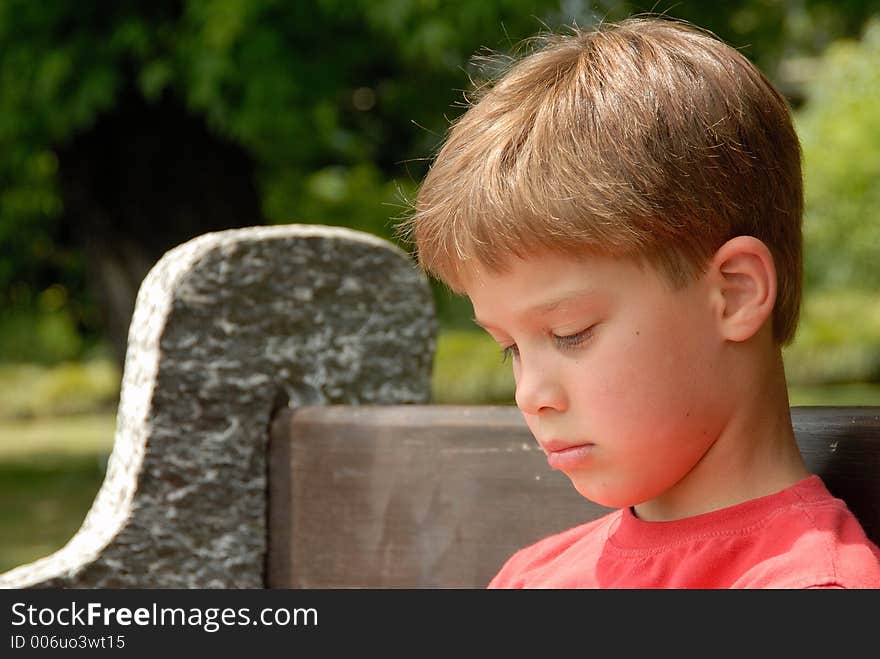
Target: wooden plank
410,496
842,445
440,496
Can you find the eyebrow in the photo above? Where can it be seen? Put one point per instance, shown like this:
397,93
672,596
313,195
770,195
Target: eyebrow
551,305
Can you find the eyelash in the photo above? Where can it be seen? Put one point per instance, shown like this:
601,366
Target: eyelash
569,341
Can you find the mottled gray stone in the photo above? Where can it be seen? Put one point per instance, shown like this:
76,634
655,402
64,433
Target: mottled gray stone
227,328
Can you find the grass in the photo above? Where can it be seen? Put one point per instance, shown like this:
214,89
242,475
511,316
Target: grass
31,390
43,502
56,431
50,471
32,439
838,395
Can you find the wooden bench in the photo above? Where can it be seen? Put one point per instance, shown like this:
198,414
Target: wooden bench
323,338
440,496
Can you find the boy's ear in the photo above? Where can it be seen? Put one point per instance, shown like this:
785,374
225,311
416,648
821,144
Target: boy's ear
743,278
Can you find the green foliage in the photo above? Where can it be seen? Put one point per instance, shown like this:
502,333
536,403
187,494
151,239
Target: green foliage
839,128
468,370
40,337
31,391
340,103
357,197
840,132
838,339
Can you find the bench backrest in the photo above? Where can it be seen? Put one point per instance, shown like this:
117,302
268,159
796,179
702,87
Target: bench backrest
440,496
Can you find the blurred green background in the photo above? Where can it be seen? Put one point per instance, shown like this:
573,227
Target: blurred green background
129,127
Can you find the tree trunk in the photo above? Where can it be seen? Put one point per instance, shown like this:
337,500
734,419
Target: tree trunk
145,178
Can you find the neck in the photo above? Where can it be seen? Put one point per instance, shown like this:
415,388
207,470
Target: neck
755,453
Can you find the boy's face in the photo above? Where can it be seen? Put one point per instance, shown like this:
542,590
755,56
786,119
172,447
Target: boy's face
618,377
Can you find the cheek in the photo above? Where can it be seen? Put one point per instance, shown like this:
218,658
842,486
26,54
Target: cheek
633,367
647,375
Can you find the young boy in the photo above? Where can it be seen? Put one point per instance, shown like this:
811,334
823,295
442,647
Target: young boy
623,209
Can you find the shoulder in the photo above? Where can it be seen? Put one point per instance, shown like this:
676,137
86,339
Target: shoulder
818,544
547,550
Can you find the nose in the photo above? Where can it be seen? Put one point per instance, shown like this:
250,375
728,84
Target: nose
538,390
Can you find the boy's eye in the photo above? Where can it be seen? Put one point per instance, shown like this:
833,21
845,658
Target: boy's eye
568,341
572,340
507,352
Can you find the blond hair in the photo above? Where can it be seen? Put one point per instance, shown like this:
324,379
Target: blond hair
648,139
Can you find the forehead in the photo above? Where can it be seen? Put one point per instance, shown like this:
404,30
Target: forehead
550,269
544,283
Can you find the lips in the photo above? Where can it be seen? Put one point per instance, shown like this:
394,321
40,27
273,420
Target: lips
557,445
565,455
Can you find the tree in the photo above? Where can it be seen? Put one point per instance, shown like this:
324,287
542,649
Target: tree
127,127
839,129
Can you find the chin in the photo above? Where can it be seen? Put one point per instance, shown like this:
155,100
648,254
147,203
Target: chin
605,496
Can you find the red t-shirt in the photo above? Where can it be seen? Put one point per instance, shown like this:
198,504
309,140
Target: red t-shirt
800,537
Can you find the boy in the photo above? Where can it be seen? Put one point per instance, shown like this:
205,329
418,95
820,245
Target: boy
623,209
